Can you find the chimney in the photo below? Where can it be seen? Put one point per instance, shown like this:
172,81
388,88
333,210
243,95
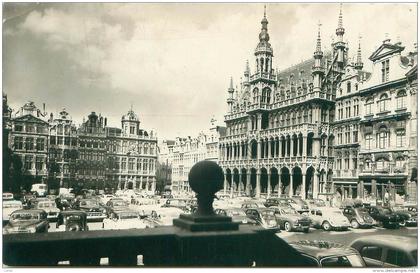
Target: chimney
43,106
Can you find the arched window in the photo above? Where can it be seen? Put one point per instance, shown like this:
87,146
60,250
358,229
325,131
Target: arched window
382,102
255,95
268,95
401,99
368,106
382,137
382,164
399,162
262,64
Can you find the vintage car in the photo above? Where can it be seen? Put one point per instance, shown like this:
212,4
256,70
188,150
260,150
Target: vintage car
114,205
7,196
264,217
72,220
106,197
95,211
329,219
162,216
238,215
176,203
359,217
290,220
409,218
9,207
270,202
298,204
27,221
387,250
316,203
251,205
128,219
329,254
385,216
50,208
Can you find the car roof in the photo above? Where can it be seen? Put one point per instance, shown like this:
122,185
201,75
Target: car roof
405,243
12,202
69,212
320,249
30,210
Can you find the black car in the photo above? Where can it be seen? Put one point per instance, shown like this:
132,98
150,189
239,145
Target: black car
329,254
359,217
409,218
385,216
72,220
95,211
264,217
270,202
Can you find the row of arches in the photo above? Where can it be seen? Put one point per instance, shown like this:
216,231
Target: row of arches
284,181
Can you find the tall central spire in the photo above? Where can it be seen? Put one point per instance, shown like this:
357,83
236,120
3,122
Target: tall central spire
318,40
264,29
359,63
340,17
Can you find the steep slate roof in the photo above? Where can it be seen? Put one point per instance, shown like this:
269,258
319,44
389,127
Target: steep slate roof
29,118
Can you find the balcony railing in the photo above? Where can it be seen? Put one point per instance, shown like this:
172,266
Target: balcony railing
200,239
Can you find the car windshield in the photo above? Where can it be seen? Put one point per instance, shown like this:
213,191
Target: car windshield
343,261
12,205
267,213
46,205
24,216
119,203
288,211
235,213
131,215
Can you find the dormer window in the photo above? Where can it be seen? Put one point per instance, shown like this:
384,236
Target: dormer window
385,71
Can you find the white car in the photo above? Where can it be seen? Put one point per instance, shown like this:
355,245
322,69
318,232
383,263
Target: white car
9,207
328,218
50,208
106,197
164,216
126,220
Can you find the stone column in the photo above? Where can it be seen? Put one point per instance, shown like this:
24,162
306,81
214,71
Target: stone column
373,187
315,188
269,149
240,183
280,147
225,184
304,145
275,148
231,186
382,192
153,185
258,121
259,149
248,183
351,191
258,186
280,184
316,146
303,186
291,186
269,184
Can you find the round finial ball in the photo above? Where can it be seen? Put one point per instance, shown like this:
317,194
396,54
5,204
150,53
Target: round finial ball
206,177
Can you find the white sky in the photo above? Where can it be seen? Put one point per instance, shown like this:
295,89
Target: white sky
173,62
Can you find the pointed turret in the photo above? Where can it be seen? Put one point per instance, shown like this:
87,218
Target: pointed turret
264,52
359,64
230,99
340,46
317,69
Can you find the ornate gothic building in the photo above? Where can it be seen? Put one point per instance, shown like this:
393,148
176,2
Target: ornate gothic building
282,129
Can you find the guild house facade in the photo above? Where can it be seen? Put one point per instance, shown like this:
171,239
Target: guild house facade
302,131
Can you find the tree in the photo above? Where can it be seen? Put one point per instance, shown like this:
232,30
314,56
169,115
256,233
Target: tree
16,174
7,164
163,176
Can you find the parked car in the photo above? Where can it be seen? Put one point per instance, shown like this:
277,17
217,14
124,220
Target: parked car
298,204
238,215
329,219
264,217
50,208
290,220
387,250
409,218
176,203
316,203
252,204
27,221
9,207
359,217
385,216
114,205
329,254
39,189
72,220
128,219
96,212
7,196
163,216
105,198
270,202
